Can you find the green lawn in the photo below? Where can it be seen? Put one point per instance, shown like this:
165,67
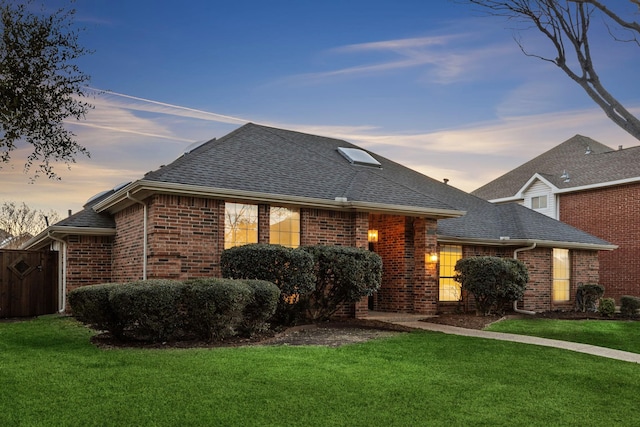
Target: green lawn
618,334
50,374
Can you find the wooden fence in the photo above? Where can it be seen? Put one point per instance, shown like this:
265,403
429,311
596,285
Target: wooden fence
28,283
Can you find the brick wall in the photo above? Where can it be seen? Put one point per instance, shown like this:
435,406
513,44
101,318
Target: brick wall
409,284
128,245
612,214
186,237
539,262
88,260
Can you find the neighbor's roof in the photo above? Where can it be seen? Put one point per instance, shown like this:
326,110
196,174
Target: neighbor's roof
259,163
587,163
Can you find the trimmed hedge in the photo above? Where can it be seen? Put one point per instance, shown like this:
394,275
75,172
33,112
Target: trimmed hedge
90,305
629,305
291,270
343,275
160,310
493,281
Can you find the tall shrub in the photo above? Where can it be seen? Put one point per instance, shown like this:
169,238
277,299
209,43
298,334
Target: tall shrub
291,270
493,281
343,275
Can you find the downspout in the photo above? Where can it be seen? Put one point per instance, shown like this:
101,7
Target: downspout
144,233
515,303
62,276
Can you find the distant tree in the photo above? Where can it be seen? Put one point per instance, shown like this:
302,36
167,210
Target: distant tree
40,86
20,222
567,25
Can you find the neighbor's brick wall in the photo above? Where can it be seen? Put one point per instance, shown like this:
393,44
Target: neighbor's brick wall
612,214
186,237
88,260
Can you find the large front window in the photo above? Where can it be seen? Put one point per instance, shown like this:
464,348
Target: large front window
284,227
449,288
240,224
561,275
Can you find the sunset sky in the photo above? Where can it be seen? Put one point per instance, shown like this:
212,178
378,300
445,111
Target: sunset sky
433,85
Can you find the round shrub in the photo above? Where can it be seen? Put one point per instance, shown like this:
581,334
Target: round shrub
261,306
629,305
291,270
149,310
493,281
215,307
607,307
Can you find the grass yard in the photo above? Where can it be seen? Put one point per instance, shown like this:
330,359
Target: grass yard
617,334
50,374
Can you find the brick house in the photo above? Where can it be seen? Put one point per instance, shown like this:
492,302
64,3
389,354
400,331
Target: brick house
268,185
590,186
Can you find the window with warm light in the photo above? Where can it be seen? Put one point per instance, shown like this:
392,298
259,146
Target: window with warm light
284,226
240,224
449,288
561,275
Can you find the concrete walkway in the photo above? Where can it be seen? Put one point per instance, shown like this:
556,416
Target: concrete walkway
413,321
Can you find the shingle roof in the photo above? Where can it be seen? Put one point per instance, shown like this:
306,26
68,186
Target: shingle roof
601,165
89,218
276,161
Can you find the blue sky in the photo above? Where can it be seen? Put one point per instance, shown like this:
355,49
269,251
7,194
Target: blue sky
433,85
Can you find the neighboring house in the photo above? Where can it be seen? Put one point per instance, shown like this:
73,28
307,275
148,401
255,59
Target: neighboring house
268,185
592,187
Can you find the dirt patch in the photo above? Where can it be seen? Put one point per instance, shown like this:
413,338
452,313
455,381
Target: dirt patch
331,334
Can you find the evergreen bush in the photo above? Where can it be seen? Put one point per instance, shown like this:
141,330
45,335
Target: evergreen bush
629,305
493,281
90,305
587,296
607,307
291,270
343,275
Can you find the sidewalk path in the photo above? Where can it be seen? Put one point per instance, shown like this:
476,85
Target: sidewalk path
413,321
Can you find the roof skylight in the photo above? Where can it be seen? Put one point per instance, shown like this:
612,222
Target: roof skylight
357,156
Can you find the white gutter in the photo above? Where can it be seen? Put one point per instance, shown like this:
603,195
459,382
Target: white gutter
144,234
515,256
62,274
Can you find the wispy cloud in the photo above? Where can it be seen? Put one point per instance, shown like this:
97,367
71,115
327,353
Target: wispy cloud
445,59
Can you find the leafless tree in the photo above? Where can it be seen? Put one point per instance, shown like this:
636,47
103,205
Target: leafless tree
20,222
567,24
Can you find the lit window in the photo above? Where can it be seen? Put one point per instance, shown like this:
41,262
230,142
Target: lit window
284,227
240,224
449,288
561,274
539,202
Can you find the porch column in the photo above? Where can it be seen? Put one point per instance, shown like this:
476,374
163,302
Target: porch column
360,240
425,272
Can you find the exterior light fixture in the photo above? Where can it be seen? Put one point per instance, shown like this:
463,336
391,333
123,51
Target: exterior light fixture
431,258
373,236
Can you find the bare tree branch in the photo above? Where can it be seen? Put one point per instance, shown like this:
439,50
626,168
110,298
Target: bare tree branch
567,23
